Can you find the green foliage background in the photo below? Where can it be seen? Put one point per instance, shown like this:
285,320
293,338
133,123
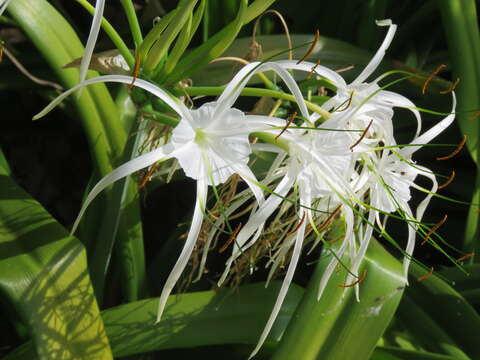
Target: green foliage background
94,297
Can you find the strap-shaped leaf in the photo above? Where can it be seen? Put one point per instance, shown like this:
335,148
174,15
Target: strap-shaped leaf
195,319
336,328
44,275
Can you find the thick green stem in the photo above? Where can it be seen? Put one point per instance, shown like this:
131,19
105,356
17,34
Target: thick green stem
132,21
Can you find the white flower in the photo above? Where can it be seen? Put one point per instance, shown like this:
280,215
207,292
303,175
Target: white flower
210,143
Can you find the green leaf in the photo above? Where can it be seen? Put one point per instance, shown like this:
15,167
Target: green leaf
342,328
449,313
463,37
226,316
43,273
59,44
390,353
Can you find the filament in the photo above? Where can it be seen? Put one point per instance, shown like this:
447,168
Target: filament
430,77
456,151
448,182
358,281
310,49
435,228
426,275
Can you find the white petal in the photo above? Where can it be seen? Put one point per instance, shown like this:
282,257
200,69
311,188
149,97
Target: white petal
177,106
378,57
306,66
349,222
255,223
285,285
92,38
249,177
396,100
433,132
182,261
236,85
126,169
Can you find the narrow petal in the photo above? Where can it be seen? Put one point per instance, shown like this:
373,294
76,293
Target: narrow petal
92,38
177,106
349,222
182,261
249,177
126,169
378,57
285,285
236,85
393,99
433,132
410,241
306,66
255,223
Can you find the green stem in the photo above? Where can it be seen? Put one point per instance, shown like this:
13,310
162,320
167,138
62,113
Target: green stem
132,21
112,34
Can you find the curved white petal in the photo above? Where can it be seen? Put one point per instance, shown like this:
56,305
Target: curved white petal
285,285
92,38
182,261
349,222
256,222
306,66
433,132
396,100
378,57
126,169
177,106
249,177
240,80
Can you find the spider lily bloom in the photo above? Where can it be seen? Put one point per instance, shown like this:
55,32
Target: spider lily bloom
392,174
320,166
210,143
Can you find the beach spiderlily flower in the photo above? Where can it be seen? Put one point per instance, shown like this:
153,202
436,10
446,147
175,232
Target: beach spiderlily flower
210,143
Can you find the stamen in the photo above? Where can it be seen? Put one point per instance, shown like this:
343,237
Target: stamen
426,276
451,88
456,151
230,239
358,281
430,77
448,182
313,69
435,228
363,135
148,176
330,218
475,115
465,257
346,68
297,227
289,122
336,239
136,72
310,49
348,102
